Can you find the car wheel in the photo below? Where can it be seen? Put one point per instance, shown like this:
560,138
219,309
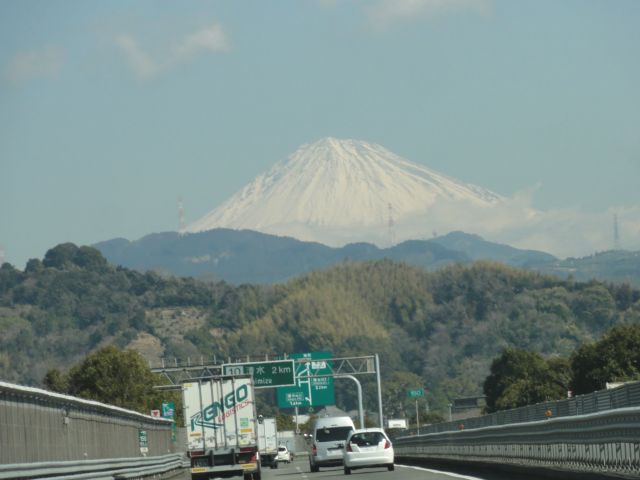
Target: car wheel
314,468
391,467
347,471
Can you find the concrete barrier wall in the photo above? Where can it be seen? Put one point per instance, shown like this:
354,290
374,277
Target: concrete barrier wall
37,426
605,442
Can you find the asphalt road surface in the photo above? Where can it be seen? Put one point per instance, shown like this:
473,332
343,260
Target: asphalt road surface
299,470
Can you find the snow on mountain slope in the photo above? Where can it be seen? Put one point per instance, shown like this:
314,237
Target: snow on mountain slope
335,191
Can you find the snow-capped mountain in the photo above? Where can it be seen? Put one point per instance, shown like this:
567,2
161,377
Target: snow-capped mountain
337,191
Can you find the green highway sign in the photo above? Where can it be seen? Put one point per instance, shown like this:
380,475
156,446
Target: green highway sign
415,393
143,441
168,410
309,390
268,374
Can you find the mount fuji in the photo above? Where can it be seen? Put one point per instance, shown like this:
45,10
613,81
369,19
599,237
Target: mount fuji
336,200
340,191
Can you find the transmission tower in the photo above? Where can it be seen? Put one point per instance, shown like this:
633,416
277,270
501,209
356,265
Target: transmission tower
181,224
616,233
392,232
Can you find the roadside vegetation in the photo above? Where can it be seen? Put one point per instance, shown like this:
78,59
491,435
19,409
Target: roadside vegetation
520,377
437,330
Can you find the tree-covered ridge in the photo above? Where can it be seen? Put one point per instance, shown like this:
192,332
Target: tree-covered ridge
72,301
443,327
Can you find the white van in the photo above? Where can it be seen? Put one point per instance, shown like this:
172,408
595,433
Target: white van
327,441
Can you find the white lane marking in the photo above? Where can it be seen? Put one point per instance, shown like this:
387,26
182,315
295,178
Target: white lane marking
465,477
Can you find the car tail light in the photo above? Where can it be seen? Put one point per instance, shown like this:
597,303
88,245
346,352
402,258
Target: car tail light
349,447
314,450
387,444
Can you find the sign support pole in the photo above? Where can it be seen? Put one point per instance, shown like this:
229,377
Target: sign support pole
359,387
379,391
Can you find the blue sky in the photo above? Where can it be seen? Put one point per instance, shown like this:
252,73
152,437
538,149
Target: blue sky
110,111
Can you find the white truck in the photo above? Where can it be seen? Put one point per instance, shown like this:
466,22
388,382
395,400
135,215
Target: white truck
268,441
220,418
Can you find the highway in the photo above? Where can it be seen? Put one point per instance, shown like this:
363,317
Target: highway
299,470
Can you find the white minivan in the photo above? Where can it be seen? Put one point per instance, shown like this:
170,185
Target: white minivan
327,441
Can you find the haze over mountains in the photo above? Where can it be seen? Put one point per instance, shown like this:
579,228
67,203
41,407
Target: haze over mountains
337,192
246,256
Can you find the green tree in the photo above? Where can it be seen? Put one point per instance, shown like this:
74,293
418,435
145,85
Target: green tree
395,395
116,377
56,381
60,256
615,358
596,307
518,378
285,422
90,258
9,277
33,266
431,417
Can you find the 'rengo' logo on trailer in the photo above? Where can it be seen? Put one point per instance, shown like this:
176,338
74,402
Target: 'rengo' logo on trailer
213,415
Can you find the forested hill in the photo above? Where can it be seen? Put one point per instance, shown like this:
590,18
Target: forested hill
441,329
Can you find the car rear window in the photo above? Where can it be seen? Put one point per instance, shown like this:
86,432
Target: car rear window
332,434
282,449
367,438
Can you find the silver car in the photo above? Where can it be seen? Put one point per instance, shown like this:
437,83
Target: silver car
327,443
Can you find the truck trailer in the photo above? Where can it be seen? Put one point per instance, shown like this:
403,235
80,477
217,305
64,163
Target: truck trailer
220,418
268,441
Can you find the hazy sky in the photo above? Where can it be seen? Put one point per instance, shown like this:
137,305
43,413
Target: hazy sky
112,110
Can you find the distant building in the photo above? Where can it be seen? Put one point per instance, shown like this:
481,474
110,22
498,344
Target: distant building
332,411
397,423
468,407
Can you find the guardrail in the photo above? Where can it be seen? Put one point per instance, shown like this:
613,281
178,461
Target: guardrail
627,395
41,426
112,469
601,442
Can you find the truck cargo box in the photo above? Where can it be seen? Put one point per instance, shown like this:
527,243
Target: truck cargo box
221,425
